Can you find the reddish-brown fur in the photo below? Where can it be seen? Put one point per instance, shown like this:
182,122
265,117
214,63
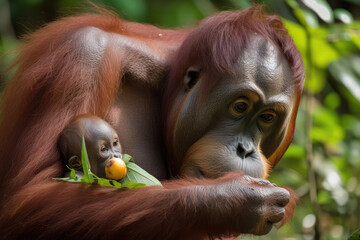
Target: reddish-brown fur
52,86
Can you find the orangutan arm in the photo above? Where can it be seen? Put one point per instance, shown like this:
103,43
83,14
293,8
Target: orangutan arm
184,209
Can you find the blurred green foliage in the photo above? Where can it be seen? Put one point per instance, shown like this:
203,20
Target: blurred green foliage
327,34
329,42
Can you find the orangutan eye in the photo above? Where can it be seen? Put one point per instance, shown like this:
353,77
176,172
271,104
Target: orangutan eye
239,107
115,143
268,117
103,149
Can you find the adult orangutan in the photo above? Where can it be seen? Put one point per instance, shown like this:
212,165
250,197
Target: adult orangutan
203,103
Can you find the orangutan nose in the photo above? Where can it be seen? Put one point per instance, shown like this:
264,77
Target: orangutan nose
244,151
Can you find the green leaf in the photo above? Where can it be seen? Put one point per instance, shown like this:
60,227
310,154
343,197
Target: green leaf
343,15
127,158
346,80
306,18
72,177
107,183
116,184
322,53
132,185
355,235
72,173
310,19
88,177
68,179
112,183
138,175
292,3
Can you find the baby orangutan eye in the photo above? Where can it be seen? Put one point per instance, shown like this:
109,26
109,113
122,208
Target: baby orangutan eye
103,149
116,142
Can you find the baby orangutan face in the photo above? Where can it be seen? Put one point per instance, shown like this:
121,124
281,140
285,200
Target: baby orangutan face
102,143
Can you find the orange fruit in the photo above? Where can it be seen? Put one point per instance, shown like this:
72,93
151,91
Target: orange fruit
115,169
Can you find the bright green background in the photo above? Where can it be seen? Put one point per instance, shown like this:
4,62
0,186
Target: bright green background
327,138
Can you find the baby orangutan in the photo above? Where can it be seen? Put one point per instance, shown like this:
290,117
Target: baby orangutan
102,143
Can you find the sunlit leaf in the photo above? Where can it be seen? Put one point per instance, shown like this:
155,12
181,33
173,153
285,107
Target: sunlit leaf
343,15
306,18
345,79
321,8
322,53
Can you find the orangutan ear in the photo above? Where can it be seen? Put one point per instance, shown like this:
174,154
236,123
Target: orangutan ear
74,162
191,77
